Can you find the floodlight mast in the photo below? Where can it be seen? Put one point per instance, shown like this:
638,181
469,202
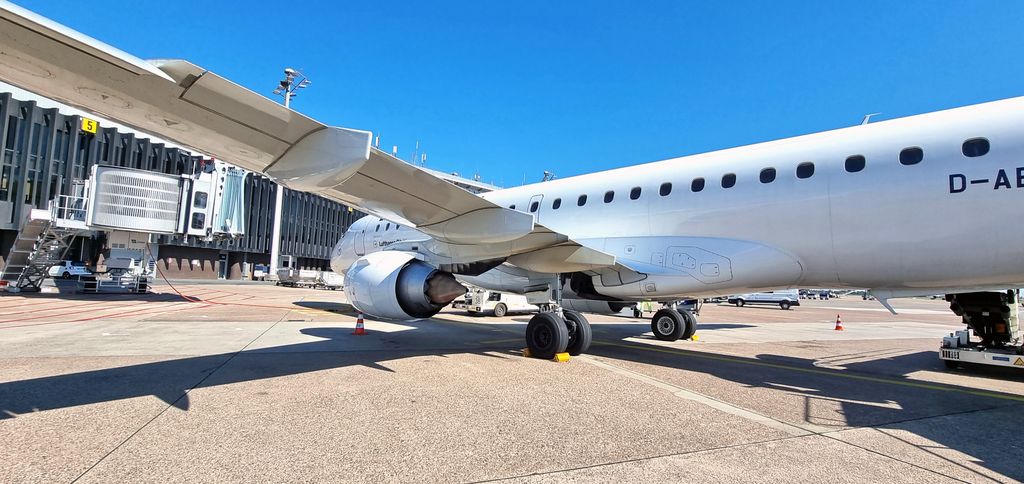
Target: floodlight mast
293,81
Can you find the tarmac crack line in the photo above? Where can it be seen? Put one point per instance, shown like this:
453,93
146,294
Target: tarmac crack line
794,430
175,402
846,374
738,411
701,451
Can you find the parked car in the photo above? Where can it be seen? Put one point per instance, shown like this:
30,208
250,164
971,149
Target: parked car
784,299
68,269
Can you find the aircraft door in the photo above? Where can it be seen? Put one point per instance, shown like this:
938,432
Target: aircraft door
534,207
357,244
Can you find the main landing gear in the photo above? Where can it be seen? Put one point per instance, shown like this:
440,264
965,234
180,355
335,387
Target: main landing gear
668,324
549,333
555,330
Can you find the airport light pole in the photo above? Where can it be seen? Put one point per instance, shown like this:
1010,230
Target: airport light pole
293,81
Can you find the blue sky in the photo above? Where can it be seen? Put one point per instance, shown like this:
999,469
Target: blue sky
509,89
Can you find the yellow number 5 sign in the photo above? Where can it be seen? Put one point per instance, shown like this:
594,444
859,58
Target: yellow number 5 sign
89,125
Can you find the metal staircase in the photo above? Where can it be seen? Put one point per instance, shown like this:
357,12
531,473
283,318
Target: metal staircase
40,244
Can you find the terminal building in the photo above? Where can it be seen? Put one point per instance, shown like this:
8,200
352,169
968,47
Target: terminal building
47,149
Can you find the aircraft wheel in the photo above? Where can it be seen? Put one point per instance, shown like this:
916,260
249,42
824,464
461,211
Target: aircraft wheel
691,324
500,310
580,332
668,325
546,335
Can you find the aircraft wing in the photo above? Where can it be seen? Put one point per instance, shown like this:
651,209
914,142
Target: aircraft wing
193,107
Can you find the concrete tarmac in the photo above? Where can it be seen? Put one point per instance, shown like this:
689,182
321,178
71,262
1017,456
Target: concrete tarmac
252,382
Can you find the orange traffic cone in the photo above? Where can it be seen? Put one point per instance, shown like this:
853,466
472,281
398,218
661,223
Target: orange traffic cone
360,330
839,323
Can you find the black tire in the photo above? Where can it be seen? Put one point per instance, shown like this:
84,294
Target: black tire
546,336
668,325
66,275
739,303
580,332
500,310
784,305
951,364
691,325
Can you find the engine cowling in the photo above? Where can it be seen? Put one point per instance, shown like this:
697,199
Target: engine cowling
397,285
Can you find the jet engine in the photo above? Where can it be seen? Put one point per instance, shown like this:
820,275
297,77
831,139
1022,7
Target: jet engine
397,285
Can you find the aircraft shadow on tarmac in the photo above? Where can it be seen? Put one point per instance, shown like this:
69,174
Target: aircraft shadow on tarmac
869,393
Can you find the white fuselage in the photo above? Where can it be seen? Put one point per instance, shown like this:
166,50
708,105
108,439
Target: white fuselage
949,222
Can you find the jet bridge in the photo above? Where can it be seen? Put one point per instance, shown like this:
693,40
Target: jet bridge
208,205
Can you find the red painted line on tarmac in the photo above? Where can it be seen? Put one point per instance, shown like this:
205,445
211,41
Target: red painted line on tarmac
162,310
62,304
56,307
120,306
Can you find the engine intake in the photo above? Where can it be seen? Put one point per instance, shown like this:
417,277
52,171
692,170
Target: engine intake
396,285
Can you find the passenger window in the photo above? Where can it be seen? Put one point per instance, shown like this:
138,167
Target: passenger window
377,229
634,193
665,189
581,201
609,196
200,200
534,206
767,175
557,203
494,296
728,180
387,227
975,147
855,163
697,185
805,170
911,156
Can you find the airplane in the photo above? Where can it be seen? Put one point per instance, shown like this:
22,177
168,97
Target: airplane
919,205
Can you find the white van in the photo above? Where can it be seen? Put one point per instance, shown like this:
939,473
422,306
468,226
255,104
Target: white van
785,299
498,303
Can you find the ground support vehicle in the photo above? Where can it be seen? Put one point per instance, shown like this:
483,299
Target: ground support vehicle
992,317
498,303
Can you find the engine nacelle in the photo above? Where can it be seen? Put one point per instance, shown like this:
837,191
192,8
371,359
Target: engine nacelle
396,285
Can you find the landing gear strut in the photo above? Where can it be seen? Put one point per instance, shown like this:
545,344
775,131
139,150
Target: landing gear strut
555,330
668,324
